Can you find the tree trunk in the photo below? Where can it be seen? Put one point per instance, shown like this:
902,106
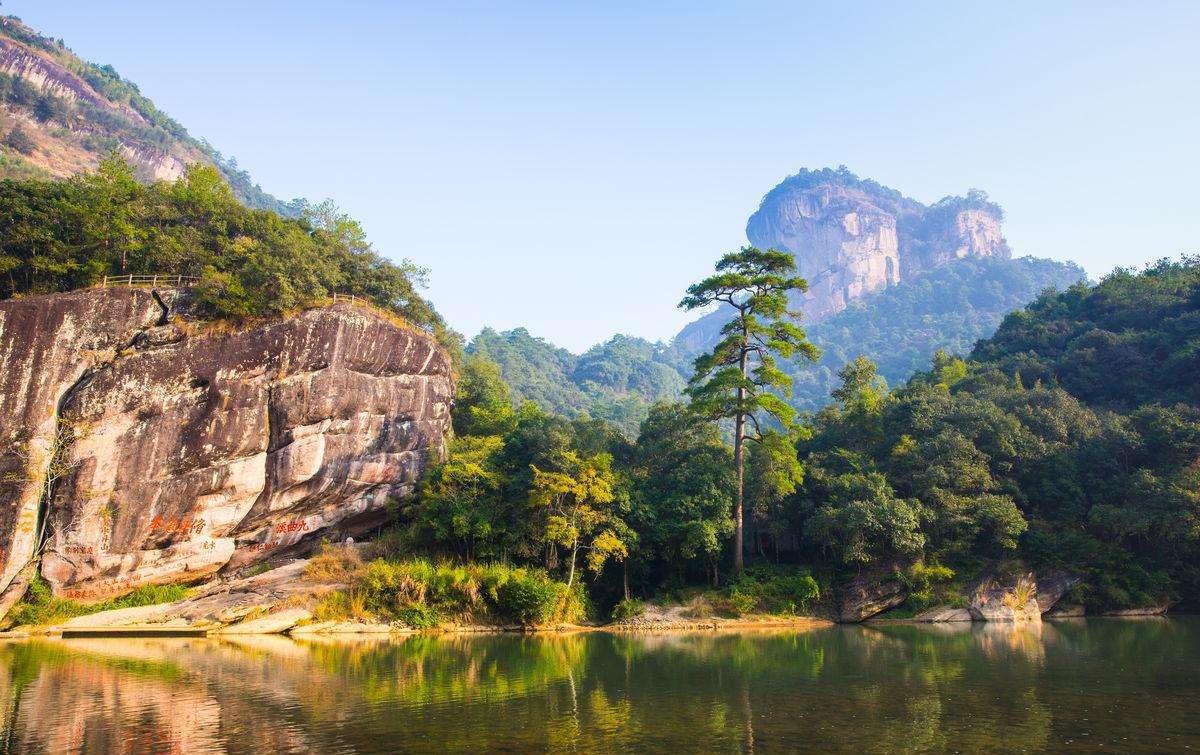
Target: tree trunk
739,462
625,564
571,571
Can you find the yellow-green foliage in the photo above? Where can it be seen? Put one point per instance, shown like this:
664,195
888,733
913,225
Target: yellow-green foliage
929,584
41,608
334,564
424,594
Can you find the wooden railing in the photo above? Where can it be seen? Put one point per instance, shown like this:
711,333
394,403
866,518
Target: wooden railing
355,299
153,281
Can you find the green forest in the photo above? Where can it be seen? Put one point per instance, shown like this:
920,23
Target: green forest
1069,439
899,328
616,380
63,235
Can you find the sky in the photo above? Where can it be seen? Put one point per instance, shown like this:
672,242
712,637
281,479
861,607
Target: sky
572,167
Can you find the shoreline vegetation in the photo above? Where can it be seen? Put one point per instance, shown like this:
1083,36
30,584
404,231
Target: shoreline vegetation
347,589
339,593
991,466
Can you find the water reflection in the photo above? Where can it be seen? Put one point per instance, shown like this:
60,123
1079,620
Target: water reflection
851,689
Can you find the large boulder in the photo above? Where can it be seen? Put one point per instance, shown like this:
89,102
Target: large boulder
1005,598
870,593
187,447
1052,584
49,346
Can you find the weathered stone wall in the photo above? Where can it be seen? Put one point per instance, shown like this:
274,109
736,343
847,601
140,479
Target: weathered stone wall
198,446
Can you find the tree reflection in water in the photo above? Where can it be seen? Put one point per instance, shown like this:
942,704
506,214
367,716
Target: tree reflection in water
852,689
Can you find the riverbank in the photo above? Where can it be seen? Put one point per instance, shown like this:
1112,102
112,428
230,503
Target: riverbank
320,597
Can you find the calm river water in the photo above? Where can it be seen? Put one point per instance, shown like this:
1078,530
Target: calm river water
1096,685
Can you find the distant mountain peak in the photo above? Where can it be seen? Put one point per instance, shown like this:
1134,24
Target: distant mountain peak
853,236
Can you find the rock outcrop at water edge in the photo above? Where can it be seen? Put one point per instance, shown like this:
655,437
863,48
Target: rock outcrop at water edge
175,448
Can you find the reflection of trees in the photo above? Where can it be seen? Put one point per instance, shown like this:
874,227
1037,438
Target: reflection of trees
854,689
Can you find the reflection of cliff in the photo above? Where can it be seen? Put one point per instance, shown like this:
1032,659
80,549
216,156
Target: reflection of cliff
844,689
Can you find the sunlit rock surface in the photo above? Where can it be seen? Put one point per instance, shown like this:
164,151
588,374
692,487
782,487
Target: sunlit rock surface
186,446
852,237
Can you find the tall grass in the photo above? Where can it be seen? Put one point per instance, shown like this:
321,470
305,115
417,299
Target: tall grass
423,594
40,608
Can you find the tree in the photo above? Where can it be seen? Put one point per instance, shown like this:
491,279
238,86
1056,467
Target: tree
735,379
862,388
579,510
682,484
861,520
458,502
109,225
774,474
481,402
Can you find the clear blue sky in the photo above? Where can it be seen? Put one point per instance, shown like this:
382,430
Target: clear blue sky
572,167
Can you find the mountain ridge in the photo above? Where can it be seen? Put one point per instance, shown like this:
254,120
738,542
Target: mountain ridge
60,115
949,278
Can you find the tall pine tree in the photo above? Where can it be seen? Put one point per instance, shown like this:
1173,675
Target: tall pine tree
735,379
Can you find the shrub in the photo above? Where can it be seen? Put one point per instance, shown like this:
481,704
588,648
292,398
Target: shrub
773,590
924,590
627,609
19,141
49,108
1023,591
528,598
419,616
423,594
21,92
334,563
741,601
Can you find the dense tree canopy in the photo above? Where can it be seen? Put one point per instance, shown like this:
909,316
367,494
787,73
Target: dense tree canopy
62,235
1019,455
616,381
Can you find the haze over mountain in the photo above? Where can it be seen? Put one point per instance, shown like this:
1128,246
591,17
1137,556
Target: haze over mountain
59,114
889,278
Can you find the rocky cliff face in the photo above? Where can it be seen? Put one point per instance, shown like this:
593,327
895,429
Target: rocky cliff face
177,448
45,74
845,245
852,237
